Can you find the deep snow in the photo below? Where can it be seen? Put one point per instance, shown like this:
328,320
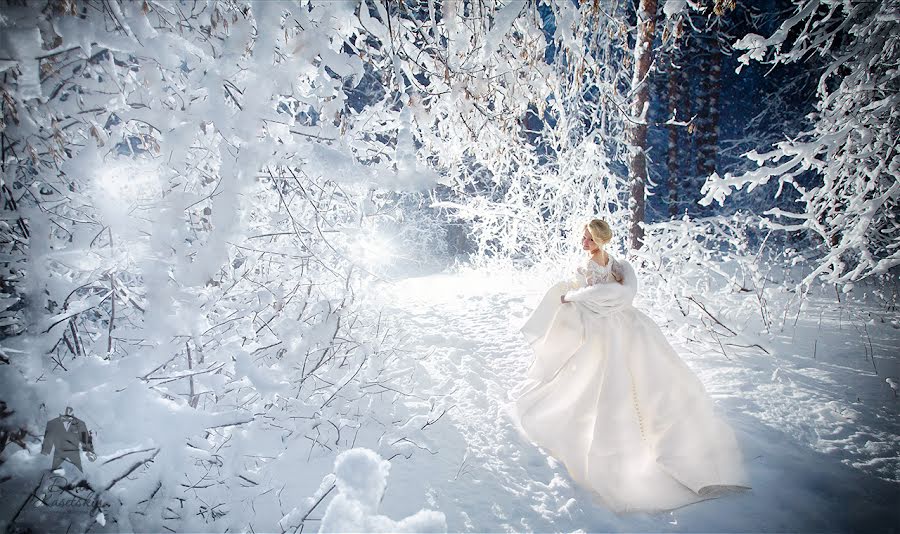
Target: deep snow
817,426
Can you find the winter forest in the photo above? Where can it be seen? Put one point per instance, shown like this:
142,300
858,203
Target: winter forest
275,254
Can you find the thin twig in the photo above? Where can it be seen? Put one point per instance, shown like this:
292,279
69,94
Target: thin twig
713,317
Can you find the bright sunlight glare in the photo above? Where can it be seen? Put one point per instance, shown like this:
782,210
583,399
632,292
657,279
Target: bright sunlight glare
376,249
129,183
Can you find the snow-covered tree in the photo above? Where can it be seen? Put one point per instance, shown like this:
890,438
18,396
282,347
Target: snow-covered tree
189,187
516,105
844,167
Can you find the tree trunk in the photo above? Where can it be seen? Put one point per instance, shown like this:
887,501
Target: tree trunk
637,131
708,123
678,110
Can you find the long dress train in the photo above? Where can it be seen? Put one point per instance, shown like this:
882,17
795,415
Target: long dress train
609,397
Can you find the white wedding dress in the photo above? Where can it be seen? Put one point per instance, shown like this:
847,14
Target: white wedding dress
608,396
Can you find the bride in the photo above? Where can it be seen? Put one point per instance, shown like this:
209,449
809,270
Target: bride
609,397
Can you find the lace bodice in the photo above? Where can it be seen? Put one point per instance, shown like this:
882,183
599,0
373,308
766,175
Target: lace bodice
591,273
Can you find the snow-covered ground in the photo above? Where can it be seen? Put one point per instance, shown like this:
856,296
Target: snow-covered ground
817,425
812,410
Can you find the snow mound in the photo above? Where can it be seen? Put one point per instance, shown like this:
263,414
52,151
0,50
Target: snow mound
361,479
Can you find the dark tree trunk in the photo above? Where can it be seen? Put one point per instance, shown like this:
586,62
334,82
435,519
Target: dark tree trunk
708,129
637,131
709,83
678,111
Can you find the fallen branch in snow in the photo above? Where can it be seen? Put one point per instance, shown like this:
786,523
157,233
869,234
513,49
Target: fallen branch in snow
235,423
124,455
720,323
430,422
128,472
462,464
72,313
315,441
407,440
192,399
713,317
757,345
868,348
76,338
720,345
112,315
160,366
306,515
871,347
172,378
353,377
407,456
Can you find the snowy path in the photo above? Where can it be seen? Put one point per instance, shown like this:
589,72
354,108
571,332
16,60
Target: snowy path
486,477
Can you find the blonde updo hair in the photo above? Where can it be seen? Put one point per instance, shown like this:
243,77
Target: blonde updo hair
600,231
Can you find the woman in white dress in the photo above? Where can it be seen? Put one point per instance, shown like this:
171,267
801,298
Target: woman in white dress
609,397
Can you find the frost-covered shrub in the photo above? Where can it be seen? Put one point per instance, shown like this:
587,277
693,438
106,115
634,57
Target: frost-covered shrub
184,188
851,147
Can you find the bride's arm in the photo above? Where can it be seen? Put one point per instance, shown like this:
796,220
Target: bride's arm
610,294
